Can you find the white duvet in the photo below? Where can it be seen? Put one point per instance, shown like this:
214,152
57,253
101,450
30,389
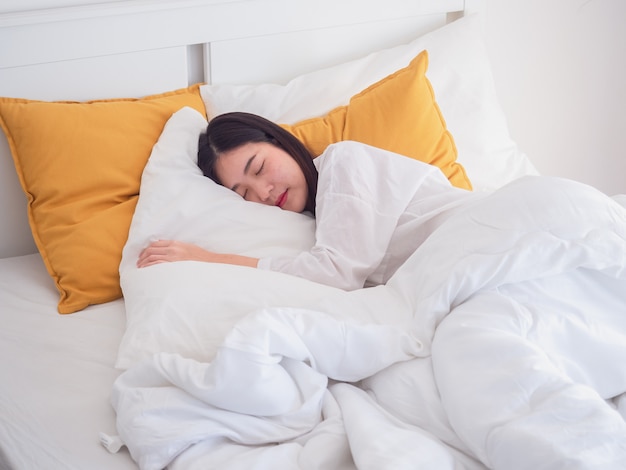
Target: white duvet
500,343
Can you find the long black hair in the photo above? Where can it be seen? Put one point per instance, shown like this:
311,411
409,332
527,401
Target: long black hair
228,131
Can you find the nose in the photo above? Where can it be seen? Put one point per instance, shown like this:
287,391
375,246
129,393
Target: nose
262,192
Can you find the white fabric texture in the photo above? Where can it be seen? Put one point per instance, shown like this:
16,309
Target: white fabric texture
178,202
57,373
360,187
505,327
459,71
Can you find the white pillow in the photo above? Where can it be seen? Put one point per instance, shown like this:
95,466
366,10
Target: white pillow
187,307
177,201
460,74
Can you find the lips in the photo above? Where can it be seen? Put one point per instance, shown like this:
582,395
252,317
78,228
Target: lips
280,202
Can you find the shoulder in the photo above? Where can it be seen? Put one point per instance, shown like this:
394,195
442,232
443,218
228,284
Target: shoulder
347,152
372,175
357,158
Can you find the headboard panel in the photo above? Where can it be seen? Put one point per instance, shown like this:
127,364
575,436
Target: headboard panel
133,26
132,48
143,73
277,58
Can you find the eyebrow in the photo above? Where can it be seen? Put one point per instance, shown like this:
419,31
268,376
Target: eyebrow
245,170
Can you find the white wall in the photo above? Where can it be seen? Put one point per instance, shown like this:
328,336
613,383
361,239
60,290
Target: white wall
560,71
26,5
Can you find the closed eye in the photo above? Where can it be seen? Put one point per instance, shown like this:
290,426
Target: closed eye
260,170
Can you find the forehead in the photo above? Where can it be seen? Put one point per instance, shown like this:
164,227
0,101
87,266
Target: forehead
236,156
244,151
231,164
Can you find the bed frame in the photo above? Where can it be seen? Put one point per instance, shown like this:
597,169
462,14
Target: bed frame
133,48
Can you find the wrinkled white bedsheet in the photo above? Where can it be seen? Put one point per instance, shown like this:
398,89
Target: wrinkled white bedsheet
507,349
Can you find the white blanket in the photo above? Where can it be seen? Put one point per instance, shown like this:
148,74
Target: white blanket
506,349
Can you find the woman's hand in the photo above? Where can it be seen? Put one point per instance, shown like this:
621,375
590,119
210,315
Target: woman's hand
166,251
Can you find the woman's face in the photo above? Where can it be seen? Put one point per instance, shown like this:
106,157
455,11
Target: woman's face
262,172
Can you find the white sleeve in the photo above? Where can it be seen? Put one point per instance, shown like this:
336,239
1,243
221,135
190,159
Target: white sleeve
362,192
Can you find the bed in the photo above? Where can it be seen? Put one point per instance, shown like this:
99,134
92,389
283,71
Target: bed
192,365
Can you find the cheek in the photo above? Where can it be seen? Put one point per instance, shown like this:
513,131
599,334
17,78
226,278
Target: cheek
278,174
296,176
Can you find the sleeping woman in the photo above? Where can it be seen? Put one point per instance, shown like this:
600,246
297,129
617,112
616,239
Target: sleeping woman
522,292
373,208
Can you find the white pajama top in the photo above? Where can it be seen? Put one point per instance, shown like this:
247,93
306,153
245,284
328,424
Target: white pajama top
374,208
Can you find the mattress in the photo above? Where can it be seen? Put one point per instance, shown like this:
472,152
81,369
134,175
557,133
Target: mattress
57,372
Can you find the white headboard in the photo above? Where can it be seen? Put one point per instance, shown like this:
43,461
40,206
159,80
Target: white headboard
133,48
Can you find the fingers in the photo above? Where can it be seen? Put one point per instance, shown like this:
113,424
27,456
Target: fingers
166,251
156,252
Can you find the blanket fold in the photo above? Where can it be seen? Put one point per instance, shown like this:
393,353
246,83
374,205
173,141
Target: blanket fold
521,301
265,385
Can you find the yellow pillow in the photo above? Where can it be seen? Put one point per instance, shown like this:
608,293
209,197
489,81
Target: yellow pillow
398,113
80,165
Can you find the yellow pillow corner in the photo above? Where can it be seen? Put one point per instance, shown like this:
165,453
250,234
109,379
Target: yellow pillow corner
80,165
398,113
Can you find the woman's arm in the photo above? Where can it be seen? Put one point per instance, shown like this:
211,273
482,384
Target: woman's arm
164,251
